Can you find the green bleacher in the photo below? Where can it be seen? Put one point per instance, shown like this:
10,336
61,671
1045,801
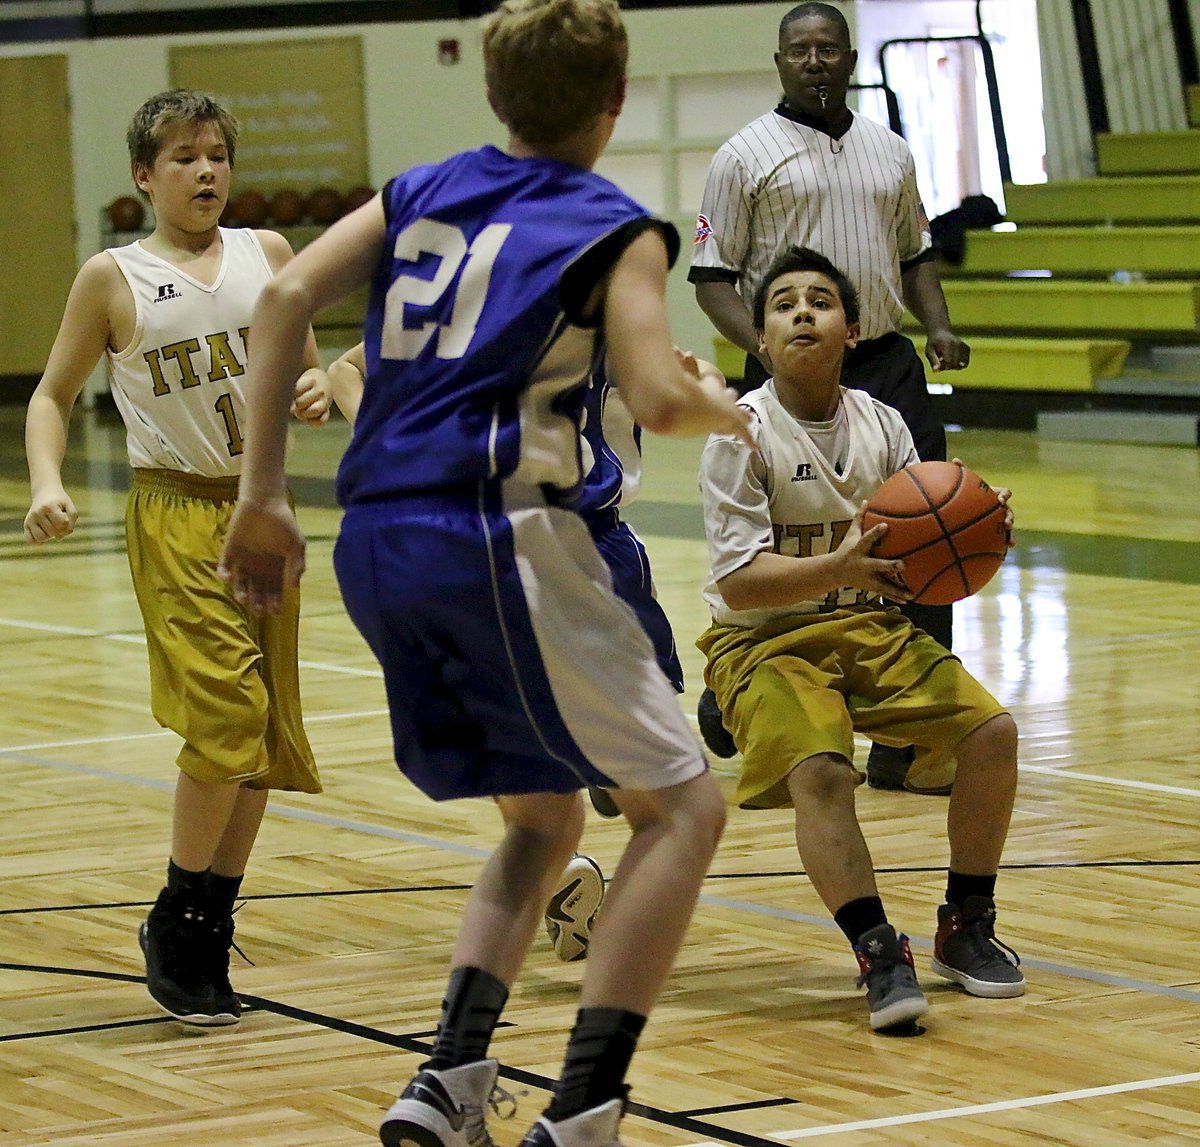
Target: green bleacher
1085,250
1149,153
1032,364
1073,306
1036,364
1090,288
1097,287
1114,199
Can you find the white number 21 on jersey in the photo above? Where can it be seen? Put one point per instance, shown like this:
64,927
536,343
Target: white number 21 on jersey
449,244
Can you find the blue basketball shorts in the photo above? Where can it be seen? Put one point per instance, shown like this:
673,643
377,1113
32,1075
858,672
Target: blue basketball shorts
510,664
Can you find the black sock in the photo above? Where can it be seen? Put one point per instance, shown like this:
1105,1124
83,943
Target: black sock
473,1003
858,916
599,1052
959,886
189,886
222,892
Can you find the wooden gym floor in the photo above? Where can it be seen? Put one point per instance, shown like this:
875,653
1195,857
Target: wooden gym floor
1090,633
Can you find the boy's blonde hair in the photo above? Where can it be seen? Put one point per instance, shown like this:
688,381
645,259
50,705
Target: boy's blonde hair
553,66
167,110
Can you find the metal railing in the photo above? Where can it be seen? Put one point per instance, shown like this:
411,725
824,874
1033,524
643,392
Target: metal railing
989,72
893,104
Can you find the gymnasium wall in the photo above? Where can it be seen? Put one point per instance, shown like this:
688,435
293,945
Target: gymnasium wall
698,74
703,72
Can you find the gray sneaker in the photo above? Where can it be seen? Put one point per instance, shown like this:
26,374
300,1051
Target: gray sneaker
596,1127
966,951
886,966
445,1108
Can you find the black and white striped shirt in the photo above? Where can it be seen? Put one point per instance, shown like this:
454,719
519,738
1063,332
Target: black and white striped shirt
779,182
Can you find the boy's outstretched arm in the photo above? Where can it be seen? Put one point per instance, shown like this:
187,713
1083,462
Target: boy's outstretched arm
313,397
659,391
77,348
264,549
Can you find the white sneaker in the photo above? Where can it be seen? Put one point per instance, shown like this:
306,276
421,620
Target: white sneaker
573,906
596,1127
442,1108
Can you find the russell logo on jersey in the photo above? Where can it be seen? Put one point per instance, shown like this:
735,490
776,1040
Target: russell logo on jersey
167,291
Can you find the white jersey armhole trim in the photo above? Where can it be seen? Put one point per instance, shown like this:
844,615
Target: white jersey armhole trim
135,340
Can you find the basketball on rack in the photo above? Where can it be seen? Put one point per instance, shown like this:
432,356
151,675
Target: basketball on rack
325,206
126,213
247,209
286,208
357,196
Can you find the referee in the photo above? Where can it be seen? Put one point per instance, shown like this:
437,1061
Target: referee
812,173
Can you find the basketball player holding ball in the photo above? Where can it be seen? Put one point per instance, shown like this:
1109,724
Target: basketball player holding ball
813,173
806,649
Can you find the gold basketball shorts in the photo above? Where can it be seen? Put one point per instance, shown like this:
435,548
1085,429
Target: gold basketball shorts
804,684
226,681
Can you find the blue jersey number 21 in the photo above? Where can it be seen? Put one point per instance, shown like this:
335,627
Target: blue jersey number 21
449,244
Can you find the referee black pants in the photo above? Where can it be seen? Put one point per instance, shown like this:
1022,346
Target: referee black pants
889,369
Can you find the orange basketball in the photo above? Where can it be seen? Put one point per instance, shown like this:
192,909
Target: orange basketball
126,213
287,207
947,525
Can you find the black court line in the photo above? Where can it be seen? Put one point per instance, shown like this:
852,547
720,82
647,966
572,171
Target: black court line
734,1108
149,1021
679,1120
85,973
1026,866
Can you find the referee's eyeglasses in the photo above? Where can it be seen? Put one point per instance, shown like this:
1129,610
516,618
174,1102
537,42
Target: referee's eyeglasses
826,53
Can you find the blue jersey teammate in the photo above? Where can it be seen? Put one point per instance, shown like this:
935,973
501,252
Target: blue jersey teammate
500,279
612,461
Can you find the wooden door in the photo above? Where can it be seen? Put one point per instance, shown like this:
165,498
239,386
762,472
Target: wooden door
37,224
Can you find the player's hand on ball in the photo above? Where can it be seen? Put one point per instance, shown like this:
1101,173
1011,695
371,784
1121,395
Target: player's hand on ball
882,576
1003,493
263,554
52,515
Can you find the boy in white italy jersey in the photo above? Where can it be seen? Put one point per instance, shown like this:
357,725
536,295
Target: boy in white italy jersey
804,650
170,313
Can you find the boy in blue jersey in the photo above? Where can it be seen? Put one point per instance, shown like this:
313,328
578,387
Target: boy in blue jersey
612,464
500,279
